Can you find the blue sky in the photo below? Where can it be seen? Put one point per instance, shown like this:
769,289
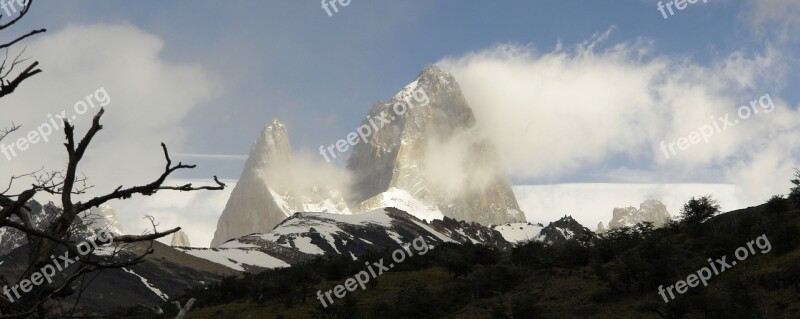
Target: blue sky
320,74
570,91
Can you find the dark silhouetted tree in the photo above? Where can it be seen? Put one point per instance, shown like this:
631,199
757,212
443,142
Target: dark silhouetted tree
698,210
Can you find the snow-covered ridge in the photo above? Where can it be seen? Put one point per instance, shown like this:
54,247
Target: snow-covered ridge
388,170
88,224
103,217
520,232
305,236
402,200
236,258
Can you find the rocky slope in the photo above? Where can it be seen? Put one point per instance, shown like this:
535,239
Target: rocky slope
436,131
305,236
180,239
649,211
565,229
261,199
399,166
103,217
165,273
87,225
520,232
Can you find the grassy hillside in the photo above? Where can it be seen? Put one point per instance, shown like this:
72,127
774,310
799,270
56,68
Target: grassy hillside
616,276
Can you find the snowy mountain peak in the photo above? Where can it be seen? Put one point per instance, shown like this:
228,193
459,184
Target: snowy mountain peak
434,74
180,239
649,211
306,236
87,224
434,152
564,229
271,147
429,159
265,194
103,217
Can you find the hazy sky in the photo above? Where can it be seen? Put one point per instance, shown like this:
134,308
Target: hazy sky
571,91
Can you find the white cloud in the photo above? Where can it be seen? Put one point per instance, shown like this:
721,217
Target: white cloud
779,18
590,204
150,98
581,110
196,212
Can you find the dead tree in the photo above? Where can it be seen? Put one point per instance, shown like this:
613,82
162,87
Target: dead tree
67,185
9,81
44,243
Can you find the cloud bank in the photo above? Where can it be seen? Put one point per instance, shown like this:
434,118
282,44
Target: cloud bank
584,109
150,97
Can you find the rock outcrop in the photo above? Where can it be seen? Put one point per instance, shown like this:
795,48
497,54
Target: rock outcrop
565,229
423,154
437,131
649,211
264,196
306,236
104,218
180,239
86,225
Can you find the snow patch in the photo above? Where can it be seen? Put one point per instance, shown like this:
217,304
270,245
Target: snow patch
519,232
147,284
235,258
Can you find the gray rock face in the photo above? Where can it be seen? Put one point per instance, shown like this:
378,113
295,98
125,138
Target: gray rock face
166,272
87,224
104,218
408,152
180,239
306,236
400,165
252,207
565,229
649,211
262,199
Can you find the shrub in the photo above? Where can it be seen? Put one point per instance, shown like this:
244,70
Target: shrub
698,210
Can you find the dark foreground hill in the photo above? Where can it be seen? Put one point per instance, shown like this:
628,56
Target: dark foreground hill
163,274
617,276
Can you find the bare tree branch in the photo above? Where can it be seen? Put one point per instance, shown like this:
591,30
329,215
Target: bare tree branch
58,237
23,37
45,243
22,14
8,87
6,131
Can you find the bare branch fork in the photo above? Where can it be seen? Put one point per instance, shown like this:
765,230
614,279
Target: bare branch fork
45,243
75,155
9,86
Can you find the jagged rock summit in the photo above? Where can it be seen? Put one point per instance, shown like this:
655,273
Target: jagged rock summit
180,239
649,211
103,217
412,153
87,224
307,236
428,159
565,229
263,197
